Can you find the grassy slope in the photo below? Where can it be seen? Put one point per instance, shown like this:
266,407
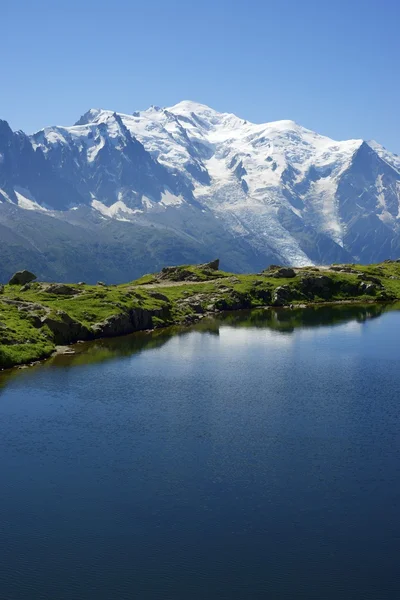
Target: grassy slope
23,339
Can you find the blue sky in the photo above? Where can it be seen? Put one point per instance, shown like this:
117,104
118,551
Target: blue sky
332,66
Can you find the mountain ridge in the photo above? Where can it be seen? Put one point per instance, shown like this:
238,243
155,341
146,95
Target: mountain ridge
275,190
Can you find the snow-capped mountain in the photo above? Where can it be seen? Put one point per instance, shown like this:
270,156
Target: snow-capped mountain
254,193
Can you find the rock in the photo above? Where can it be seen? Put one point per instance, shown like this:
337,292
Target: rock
317,285
159,296
234,301
349,289
343,269
115,325
213,265
366,277
25,287
22,277
60,289
282,295
175,274
81,283
136,319
284,272
65,330
35,320
101,283
367,288
192,303
1,289
263,295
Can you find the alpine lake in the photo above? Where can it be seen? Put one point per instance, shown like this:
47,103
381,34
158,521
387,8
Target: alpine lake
251,456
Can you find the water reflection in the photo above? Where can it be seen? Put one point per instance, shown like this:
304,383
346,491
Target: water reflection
284,321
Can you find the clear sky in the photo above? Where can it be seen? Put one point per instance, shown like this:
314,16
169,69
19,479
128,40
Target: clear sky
332,66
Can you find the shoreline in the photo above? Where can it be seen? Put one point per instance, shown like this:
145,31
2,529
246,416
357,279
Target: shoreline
65,350
39,320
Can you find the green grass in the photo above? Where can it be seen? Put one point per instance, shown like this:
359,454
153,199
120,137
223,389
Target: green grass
23,339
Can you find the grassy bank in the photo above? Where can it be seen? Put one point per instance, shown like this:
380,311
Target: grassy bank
36,318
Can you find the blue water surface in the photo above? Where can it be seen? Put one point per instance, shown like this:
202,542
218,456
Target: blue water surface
256,457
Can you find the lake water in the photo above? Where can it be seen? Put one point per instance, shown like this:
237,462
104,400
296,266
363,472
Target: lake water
255,457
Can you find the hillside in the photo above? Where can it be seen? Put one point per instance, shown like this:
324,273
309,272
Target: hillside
37,317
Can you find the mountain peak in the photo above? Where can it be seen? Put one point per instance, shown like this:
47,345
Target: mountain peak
189,106
89,116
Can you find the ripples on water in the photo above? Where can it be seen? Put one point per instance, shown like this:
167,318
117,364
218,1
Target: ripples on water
249,458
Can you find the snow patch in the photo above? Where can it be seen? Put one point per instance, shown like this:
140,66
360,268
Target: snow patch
26,200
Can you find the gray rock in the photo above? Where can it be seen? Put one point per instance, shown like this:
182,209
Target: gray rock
65,330
1,289
136,319
101,283
317,285
213,265
25,287
263,295
284,272
367,288
60,289
115,325
22,277
370,278
159,296
282,295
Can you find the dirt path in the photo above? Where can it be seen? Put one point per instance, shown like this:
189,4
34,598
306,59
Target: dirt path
164,284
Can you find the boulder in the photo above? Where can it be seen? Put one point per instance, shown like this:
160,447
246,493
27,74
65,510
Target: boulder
65,330
175,274
343,269
22,277
366,277
367,288
101,283
282,295
60,289
136,319
159,296
115,325
284,272
25,287
262,295
317,285
213,265
1,289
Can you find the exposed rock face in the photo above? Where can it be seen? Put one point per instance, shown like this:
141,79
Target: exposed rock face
367,288
175,274
159,296
22,277
213,265
284,272
320,285
113,326
137,319
371,278
65,329
60,289
282,295
235,301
